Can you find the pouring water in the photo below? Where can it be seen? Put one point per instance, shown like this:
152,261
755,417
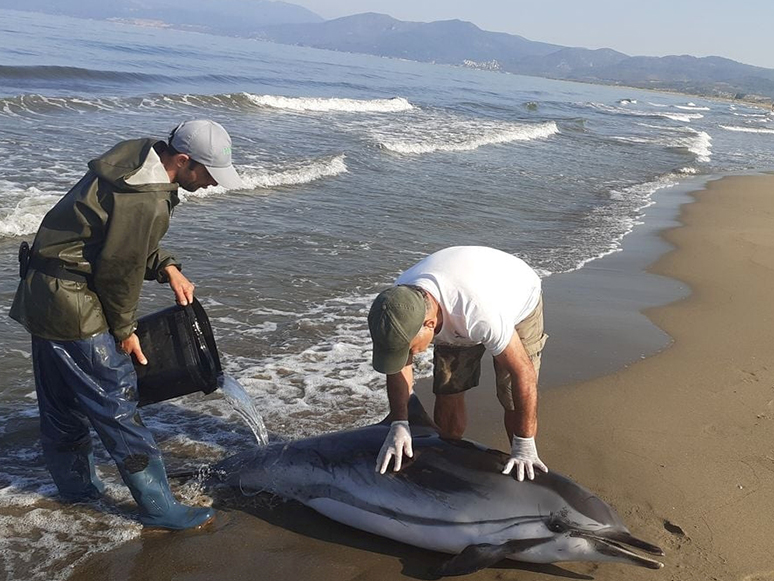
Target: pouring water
243,404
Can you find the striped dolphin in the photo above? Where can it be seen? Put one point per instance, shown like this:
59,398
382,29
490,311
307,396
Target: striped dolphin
451,498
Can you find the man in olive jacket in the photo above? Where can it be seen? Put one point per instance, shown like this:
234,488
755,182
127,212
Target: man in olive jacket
78,299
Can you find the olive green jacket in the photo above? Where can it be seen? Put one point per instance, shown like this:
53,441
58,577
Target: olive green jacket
108,231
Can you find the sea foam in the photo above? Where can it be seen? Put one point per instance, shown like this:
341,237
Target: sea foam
639,197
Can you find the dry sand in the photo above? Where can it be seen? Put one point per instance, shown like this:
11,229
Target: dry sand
680,443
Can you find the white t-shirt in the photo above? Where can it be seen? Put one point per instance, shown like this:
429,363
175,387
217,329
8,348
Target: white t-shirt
483,293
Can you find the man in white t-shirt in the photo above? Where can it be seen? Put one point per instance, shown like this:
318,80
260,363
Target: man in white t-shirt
467,300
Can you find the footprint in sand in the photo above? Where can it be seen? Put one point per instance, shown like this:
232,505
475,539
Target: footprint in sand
766,576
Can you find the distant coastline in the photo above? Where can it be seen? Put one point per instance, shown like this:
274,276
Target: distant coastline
763,102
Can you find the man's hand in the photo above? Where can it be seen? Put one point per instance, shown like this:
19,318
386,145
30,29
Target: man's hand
131,346
182,287
397,443
524,457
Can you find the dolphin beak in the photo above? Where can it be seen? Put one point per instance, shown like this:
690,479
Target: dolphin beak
612,548
628,539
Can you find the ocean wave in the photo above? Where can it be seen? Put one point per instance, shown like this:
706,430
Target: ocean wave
700,144
332,104
26,105
697,143
757,116
681,117
60,73
692,107
25,215
22,210
36,104
643,192
296,174
674,116
465,141
747,129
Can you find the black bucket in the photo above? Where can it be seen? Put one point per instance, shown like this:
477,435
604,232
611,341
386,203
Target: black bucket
181,352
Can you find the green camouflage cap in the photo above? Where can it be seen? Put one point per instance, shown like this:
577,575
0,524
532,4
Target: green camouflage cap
395,318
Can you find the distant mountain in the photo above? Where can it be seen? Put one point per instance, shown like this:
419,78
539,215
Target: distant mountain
449,41
229,17
463,43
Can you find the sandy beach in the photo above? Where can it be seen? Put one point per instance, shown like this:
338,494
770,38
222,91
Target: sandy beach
679,443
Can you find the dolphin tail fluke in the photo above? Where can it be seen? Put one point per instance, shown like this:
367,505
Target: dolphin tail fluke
476,557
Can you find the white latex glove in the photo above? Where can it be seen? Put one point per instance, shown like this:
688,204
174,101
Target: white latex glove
524,456
397,443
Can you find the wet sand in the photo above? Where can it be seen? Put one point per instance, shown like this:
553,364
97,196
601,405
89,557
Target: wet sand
680,443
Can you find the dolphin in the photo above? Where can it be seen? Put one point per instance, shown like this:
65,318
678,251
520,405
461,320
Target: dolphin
450,497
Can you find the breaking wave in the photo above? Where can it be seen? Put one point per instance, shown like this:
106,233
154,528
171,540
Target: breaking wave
674,116
692,107
697,143
466,140
35,104
296,174
333,104
746,129
301,175
23,210
23,217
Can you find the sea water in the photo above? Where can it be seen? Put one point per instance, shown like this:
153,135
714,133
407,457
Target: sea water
355,168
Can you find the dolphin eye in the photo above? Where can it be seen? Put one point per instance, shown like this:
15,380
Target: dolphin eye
556,526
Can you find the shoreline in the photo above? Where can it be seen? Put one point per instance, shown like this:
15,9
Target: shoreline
677,442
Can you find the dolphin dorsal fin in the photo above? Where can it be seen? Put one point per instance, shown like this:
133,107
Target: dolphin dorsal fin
417,415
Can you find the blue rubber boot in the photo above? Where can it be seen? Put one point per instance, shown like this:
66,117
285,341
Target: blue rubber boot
158,507
72,468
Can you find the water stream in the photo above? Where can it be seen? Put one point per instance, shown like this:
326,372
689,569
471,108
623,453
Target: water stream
243,404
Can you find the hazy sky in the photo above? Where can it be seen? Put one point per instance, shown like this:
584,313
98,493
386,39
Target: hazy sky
739,30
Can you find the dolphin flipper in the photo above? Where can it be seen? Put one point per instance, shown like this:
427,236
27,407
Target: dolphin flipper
476,557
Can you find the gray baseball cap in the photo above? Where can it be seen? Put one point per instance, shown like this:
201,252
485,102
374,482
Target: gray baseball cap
395,318
208,143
